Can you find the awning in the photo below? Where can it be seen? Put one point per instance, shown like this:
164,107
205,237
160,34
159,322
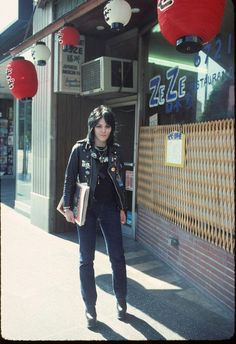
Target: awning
56,25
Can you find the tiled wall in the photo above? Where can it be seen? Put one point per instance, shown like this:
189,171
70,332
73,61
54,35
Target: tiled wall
210,268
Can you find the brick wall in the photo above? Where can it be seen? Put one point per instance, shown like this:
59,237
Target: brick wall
210,268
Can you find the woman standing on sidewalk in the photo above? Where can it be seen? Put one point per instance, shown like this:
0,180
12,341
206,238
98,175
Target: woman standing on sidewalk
96,160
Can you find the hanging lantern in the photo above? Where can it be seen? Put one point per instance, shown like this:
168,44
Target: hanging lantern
68,37
117,14
22,78
40,53
190,24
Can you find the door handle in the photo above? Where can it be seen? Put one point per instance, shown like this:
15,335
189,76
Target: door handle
130,164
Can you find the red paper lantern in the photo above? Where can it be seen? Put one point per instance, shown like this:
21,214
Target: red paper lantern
68,37
188,24
22,78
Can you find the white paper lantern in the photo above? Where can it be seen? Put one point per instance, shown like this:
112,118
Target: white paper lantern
40,53
117,14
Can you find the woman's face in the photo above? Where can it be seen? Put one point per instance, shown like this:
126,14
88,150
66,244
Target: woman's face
102,132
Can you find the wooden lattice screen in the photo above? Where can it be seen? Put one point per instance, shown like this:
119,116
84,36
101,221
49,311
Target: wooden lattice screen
199,197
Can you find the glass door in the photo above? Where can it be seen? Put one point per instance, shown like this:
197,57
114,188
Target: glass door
24,157
125,117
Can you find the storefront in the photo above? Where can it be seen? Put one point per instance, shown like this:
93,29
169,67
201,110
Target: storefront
174,92
48,126
15,117
186,152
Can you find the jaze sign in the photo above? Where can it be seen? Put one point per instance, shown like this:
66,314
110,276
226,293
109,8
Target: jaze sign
67,68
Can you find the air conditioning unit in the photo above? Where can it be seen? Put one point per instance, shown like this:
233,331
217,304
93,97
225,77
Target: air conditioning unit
108,74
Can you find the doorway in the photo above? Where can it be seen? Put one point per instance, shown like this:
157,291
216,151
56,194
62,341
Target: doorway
127,137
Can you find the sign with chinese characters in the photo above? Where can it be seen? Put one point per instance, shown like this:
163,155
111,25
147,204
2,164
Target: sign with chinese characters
175,149
153,120
67,70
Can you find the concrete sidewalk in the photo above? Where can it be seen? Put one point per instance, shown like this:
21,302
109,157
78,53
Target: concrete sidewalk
41,293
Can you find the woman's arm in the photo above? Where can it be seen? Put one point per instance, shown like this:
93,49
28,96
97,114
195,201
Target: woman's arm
122,217
70,178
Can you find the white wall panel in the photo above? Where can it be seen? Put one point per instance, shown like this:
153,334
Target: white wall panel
42,17
42,132
41,129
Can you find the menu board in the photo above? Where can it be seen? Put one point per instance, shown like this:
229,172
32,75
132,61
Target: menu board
175,149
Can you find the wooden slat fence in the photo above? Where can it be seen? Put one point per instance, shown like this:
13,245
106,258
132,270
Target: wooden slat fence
200,197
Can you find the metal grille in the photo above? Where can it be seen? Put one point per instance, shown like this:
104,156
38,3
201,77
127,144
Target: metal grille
90,76
200,197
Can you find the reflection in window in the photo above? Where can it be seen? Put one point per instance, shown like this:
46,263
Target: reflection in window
207,82
186,88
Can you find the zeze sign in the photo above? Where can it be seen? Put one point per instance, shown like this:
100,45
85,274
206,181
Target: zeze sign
161,94
172,91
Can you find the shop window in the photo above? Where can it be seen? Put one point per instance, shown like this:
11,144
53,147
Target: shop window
184,88
6,137
24,157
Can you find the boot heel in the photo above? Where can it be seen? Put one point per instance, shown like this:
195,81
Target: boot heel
121,309
91,319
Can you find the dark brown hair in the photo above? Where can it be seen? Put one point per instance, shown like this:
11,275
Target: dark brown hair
99,112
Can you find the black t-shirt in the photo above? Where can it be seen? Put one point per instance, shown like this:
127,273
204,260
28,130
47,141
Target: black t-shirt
105,190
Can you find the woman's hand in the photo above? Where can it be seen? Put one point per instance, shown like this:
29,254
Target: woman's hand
69,216
122,217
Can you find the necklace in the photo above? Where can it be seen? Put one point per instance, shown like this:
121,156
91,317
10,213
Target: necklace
102,154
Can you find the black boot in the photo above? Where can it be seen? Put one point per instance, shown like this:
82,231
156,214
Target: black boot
91,317
121,309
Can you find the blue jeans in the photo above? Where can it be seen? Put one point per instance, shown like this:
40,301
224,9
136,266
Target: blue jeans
109,217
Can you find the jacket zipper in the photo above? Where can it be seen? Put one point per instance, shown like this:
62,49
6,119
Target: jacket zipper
116,189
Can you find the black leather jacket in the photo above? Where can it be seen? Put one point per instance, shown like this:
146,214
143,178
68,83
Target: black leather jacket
82,163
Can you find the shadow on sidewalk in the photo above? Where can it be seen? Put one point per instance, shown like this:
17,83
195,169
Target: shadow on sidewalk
143,327
107,332
187,318
140,325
